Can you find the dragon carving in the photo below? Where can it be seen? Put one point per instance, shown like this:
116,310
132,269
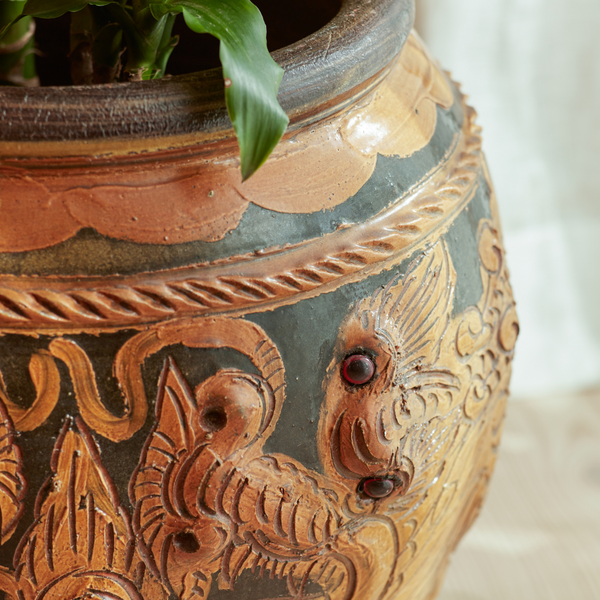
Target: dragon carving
410,391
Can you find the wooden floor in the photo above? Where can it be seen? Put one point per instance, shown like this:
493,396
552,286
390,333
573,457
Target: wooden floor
538,536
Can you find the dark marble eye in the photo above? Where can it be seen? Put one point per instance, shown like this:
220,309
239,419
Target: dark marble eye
376,487
186,541
213,419
358,369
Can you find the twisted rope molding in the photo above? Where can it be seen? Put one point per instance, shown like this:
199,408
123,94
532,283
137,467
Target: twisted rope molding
55,304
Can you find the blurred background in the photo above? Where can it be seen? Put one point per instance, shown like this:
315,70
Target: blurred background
531,68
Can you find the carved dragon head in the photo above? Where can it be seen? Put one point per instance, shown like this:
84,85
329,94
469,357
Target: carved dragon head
385,390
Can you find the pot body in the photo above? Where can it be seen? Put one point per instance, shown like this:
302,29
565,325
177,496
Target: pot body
292,387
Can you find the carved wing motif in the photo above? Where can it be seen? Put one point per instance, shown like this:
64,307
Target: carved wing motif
12,482
401,328
80,544
413,314
425,450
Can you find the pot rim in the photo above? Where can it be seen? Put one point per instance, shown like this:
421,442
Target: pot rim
323,73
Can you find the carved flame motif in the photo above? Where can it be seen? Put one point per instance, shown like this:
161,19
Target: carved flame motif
80,544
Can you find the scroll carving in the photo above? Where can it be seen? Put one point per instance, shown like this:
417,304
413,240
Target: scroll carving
412,394
12,482
207,500
48,304
46,380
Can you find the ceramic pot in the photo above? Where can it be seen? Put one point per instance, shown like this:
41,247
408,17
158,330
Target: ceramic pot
287,388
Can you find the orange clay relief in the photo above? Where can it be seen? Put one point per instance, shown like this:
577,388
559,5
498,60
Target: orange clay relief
409,394
207,197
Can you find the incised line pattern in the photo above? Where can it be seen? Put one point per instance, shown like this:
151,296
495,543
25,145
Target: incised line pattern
210,505
56,304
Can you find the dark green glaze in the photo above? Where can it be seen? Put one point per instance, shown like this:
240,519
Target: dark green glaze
89,253
305,334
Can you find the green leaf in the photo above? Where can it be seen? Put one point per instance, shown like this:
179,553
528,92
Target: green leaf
50,9
251,76
158,10
166,47
106,47
17,65
10,14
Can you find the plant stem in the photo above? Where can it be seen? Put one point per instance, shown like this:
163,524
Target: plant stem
17,63
145,39
95,47
138,7
80,55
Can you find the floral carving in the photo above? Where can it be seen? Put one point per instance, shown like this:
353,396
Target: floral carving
410,395
80,544
208,500
426,396
12,482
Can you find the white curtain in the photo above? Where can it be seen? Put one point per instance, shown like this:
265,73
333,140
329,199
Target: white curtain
531,68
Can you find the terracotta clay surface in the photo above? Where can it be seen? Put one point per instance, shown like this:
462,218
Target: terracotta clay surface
208,501
56,302
302,400
122,197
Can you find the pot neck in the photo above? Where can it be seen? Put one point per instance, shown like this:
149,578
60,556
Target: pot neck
324,73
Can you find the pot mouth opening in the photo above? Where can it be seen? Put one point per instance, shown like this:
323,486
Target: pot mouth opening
287,23
324,72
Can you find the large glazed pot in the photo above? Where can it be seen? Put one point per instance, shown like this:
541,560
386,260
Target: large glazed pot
287,388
